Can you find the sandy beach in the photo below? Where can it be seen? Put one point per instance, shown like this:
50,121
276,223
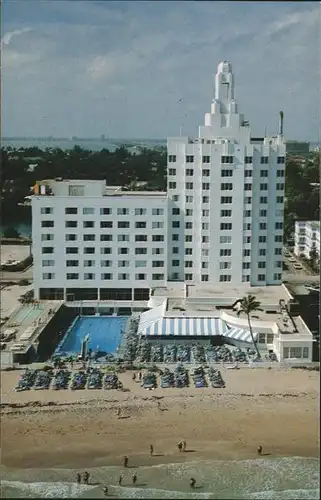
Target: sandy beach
276,408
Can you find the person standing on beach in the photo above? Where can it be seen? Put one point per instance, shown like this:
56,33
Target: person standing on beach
180,445
134,376
151,450
259,450
86,477
105,491
192,482
120,480
184,445
78,478
140,376
125,461
134,479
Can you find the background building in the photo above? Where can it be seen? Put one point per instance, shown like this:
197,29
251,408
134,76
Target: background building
307,238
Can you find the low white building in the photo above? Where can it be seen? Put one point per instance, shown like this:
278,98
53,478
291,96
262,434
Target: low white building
307,238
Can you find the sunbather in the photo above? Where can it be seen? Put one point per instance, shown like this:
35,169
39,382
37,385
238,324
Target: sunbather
86,477
259,450
192,482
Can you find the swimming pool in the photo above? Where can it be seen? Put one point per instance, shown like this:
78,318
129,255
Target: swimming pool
104,333
27,314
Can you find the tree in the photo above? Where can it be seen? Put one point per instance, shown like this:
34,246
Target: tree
11,232
248,305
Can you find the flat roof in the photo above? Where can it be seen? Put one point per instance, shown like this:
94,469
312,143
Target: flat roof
265,294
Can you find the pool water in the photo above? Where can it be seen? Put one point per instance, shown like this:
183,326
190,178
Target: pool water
104,333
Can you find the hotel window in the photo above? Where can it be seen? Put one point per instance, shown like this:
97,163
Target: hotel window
105,237
264,160
204,277
280,173
247,239
226,200
279,225
189,159
245,277
157,225
305,352
106,224
262,252
246,253
226,186
106,276
140,277
205,226
205,186
188,251
206,172
225,277
175,211
205,213
225,239
47,223
46,210
47,237
279,199
175,263
122,211
278,238
263,200
205,252
248,173
263,226
226,226
105,250
263,187
248,159
71,211
247,187
71,237
189,211
105,211
269,338
175,197
261,338
278,263
157,277
225,252
89,263
204,265
157,251
188,277
226,159
281,159
247,213
225,265
188,238
88,223
123,224
48,276
141,237
226,213
71,250
188,225
189,171
140,263
261,265
105,263
205,199
263,213
48,263
47,249
89,250
158,237
262,239
123,237
278,251
171,158
188,185
72,276
123,251
140,225
88,211
157,263
172,185
71,223
123,263
72,263
261,277
76,190
246,265
188,199
123,276
140,211
175,237
140,251
247,200
279,186
264,173
205,239
206,159
277,276
172,171
157,211
90,237
226,173
175,250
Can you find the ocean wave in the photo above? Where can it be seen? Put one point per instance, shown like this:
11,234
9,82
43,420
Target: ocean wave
302,494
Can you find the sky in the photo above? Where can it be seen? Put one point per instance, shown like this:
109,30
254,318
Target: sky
143,69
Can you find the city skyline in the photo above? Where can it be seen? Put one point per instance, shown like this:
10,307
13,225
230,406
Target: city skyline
90,69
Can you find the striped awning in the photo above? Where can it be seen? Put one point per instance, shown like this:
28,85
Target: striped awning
240,334
186,327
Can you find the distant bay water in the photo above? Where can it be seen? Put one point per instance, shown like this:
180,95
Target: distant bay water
86,143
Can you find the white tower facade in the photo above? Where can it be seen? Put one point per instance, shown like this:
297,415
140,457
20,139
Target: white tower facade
226,198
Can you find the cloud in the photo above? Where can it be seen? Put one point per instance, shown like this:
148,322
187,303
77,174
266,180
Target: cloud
119,67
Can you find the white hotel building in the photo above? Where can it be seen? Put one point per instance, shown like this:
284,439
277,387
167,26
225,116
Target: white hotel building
220,221
307,238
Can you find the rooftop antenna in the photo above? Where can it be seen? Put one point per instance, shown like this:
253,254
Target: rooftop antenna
281,123
265,132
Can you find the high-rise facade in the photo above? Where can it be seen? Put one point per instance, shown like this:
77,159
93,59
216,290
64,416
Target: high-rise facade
220,221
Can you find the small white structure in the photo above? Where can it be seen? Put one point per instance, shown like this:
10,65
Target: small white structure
307,238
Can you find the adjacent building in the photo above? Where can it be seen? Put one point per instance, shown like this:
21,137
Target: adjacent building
307,238
220,221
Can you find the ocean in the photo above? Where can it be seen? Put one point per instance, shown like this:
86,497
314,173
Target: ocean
263,478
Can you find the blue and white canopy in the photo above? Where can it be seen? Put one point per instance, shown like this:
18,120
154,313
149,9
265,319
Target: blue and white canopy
240,334
186,327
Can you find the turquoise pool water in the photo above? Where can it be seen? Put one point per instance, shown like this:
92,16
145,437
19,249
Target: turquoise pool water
104,333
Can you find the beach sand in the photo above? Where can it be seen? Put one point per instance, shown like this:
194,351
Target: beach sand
277,408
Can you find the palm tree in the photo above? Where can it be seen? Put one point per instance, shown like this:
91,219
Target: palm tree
248,305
